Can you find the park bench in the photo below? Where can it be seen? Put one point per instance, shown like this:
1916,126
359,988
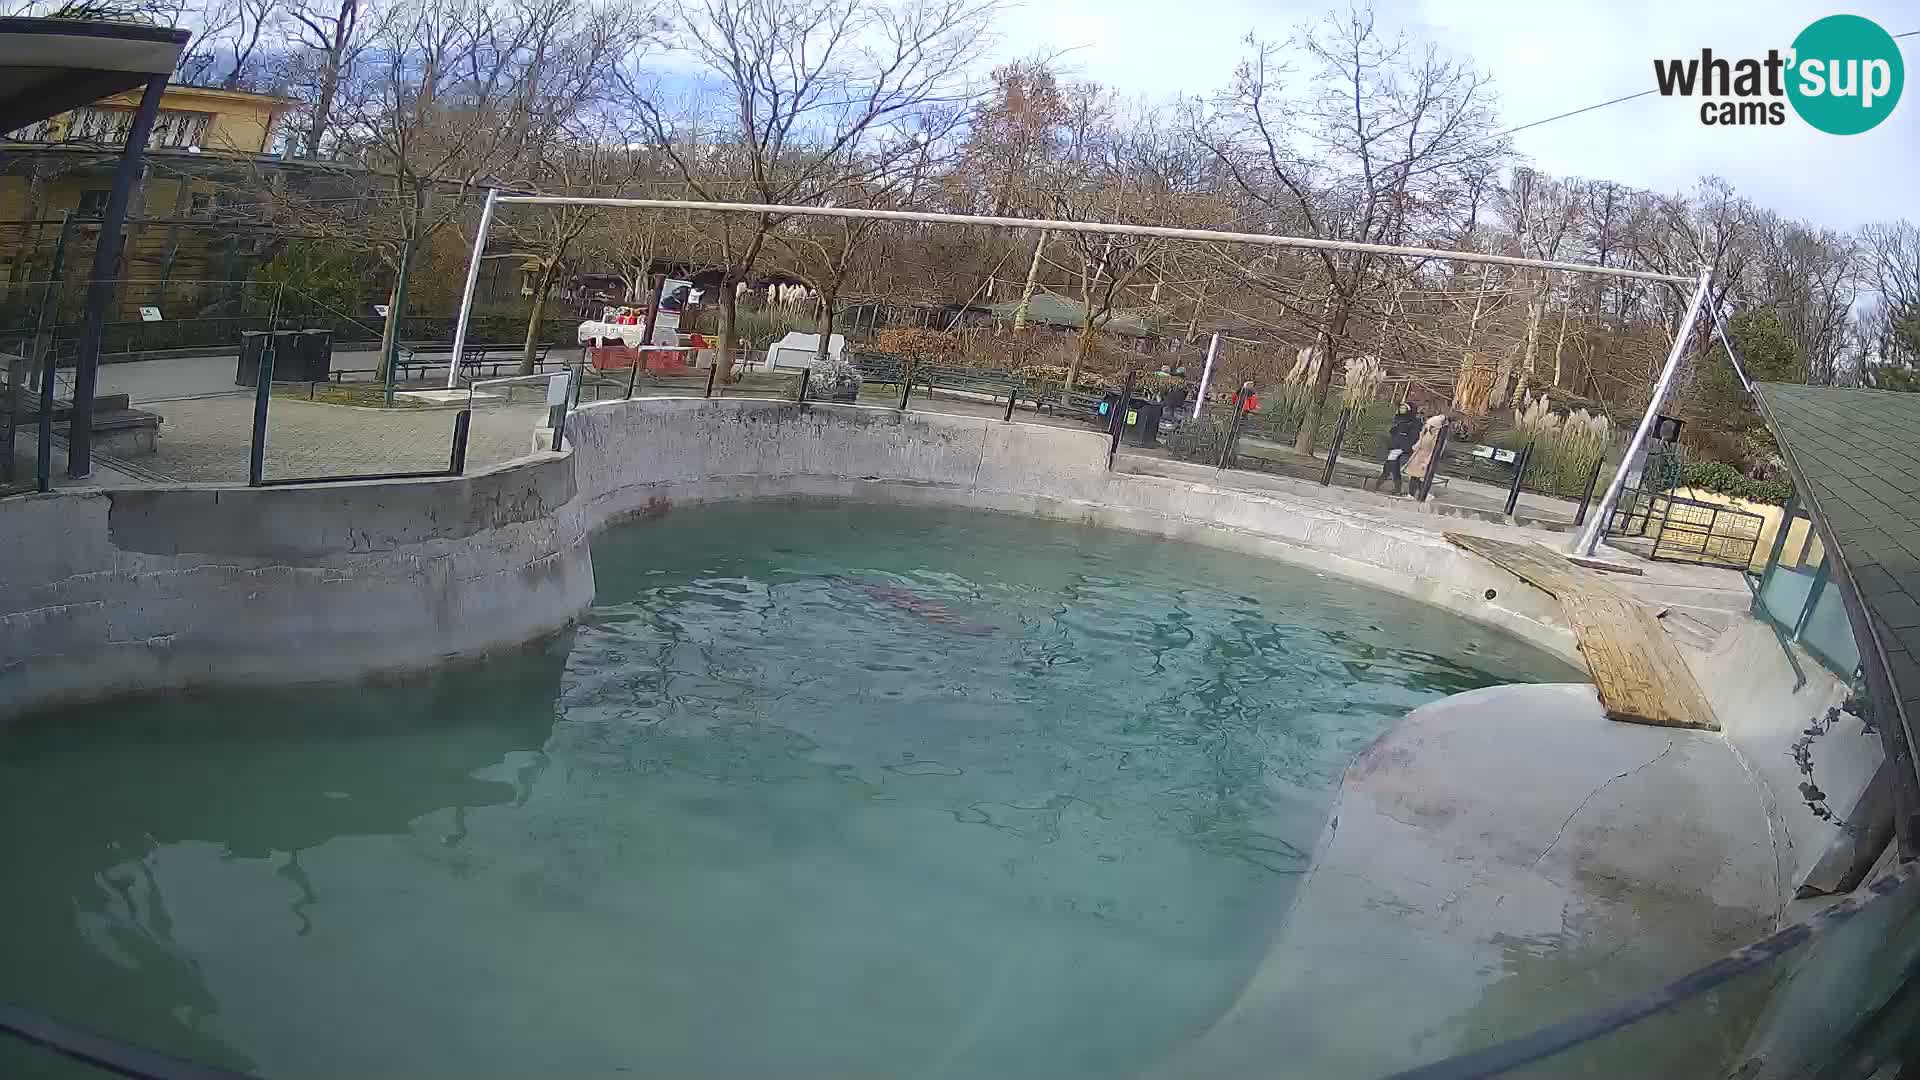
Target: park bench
475,360
890,370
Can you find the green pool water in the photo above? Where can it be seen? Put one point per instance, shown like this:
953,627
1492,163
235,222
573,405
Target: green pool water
814,790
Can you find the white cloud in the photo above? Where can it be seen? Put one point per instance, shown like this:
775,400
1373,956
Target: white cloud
1550,57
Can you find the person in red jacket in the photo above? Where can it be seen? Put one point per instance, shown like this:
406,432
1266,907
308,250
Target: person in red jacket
1247,400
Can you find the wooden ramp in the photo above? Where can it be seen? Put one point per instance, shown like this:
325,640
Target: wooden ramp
1640,673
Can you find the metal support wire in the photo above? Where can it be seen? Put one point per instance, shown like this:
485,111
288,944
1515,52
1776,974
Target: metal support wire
1567,1034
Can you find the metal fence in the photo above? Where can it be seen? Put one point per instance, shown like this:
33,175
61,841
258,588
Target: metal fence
1535,481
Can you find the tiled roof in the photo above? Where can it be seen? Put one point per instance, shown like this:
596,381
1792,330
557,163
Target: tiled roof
1859,452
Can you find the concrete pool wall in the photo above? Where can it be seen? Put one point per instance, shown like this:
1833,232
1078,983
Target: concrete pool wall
159,588
162,587
648,455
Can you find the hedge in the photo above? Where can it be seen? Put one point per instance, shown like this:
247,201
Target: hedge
1724,479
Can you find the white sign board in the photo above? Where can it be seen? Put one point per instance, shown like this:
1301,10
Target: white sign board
797,350
150,314
380,310
557,390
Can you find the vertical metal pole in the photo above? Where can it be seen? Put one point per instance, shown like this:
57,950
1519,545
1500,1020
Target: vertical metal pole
1333,452
1229,452
1586,498
1519,478
1206,373
1590,539
106,264
1117,424
805,375
462,421
43,469
262,393
906,385
39,362
711,373
1433,465
466,295
1012,393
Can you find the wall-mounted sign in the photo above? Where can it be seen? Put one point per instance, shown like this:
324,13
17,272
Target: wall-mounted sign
150,314
380,310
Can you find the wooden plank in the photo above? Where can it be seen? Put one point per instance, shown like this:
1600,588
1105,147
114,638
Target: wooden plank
1640,674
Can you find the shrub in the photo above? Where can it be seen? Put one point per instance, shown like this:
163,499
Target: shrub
1052,375
1724,479
919,345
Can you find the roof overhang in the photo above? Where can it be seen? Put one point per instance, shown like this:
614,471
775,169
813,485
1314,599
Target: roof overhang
48,66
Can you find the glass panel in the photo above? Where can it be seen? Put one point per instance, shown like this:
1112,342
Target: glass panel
1785,594
1828,635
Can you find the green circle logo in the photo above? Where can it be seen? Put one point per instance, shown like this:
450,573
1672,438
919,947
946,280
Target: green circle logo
1847,74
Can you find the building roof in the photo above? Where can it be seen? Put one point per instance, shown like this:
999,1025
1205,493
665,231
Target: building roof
1049,310
1858,453
48,66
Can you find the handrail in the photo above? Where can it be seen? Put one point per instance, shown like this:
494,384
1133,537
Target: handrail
119,1058
125,1059
1554,1038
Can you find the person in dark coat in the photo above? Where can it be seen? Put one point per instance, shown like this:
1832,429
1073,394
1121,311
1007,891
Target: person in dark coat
1400,439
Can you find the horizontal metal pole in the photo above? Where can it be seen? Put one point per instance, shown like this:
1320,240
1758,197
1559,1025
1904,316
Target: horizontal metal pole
294,481
1161,231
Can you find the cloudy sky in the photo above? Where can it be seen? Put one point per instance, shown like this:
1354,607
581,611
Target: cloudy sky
1548,57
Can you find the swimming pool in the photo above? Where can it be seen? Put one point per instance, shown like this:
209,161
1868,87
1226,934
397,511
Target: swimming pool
816,789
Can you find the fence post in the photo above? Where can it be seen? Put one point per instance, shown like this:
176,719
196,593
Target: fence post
43,469
633,369
906,385
806,374
1333,453
262,394
1433,465
1519,477
457,463
1117,423
1012,393
1586,498
1227,451
712,373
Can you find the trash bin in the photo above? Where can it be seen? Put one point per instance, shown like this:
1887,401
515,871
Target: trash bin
1143,423
315,353
247,371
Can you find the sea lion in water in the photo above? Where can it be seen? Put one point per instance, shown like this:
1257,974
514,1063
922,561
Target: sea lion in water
914,604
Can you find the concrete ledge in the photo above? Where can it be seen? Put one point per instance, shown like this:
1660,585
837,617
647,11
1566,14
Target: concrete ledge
1503,859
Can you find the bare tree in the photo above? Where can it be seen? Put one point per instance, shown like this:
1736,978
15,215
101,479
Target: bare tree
1374,156
422,132
328,40
818,95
